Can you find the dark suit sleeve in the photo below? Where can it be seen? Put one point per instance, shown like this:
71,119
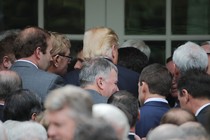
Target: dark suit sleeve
56,83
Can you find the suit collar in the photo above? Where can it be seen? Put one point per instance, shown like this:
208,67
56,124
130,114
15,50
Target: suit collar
202,108
156,103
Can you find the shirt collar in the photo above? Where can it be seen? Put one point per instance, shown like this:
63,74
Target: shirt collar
202,107
157,100
21,60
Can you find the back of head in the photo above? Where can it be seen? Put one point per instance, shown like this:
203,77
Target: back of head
94,68
60,43
94,129
177,116
75,98
166,132
139,44
9,82
99,41
194,131
127,103
27,130
21,105
6,48
132,58
190,56
113,116
196,82
28,40
158,79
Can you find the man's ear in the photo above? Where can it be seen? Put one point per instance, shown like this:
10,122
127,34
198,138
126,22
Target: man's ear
38,52
6,62
55,60
144,87
185,95
99,82
33,117
114,54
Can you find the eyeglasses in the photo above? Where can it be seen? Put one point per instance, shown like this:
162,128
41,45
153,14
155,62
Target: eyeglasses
69,57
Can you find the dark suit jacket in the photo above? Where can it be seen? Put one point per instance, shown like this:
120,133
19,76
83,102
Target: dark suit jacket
127,79
203,115
36,80
1,112
150,116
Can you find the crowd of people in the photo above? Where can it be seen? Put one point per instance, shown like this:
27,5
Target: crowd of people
100,90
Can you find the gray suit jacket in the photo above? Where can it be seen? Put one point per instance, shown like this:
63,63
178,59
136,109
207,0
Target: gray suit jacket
36,80
97,98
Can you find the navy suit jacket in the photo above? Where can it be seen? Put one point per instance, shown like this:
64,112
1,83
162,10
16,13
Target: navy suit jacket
127,79
1,113
36,80
203,115
150,116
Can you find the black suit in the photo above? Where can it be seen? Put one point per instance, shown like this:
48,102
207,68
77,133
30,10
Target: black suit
1,112
203,115
127,79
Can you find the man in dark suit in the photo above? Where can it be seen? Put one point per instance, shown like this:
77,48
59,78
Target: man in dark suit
103,42
194,94
32,50
154,86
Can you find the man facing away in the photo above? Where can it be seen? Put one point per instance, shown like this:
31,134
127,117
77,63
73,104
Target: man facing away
32,49
154,86
7,56
10,81
99,77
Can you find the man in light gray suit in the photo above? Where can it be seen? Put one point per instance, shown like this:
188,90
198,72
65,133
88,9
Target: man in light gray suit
32,50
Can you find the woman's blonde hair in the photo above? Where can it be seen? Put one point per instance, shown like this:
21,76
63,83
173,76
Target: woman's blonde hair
60,43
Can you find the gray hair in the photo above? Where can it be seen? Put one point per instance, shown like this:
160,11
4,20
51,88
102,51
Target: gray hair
194,131
190,56
9,82
75,98
139,44
25,130
93,68
114,116
3,135
166,132
94,129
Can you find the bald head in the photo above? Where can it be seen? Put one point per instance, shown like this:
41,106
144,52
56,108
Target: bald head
165,132
177,116
194,131
9,82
